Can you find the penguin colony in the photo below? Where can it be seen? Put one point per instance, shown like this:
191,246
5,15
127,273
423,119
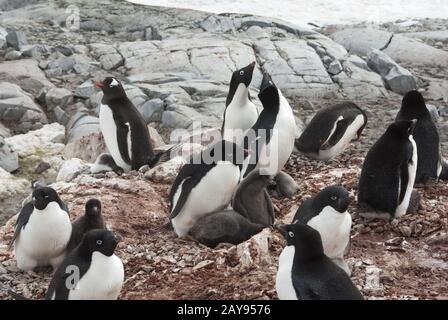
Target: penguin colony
227,200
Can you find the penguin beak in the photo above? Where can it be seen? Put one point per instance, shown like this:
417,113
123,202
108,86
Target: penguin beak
266,82
98,84
343,204
282,228
252,65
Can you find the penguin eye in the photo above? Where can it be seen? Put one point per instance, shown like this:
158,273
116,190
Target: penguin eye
291,234
333,198
241,72
46,197
99,242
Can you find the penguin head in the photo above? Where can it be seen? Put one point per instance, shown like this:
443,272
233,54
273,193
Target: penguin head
243,75
403,128
99,240
93,208
336,197
111,87
268,92
42,196
413,106
305,239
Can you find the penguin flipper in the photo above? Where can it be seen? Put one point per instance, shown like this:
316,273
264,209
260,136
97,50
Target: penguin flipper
303,291
22,220
341,127
270,207
187,186
122,139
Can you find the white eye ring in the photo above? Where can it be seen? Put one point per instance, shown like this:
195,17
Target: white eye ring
333,198
241,72
99,242
46,197
291,234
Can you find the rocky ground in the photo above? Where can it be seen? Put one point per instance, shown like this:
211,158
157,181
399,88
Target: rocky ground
176,65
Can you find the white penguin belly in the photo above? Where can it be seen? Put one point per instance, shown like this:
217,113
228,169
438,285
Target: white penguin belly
45,236
334,228
109,130
283,281
349,134
238,119
102,281
412,170
214,192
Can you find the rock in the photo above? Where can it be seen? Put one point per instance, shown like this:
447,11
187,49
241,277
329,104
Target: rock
397,78
70,169
26,73
9,160
3,34
255,251
42,145
166,172
13,55
434,111
111,61
66,51
85,90
335,67
16,39
62,63
12,191
156,138
4,131
18,106
58,97
152,110
151,33
61,116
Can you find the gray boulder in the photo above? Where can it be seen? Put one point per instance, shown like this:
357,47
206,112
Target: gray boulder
434,111
3,34
58,97
16,39
13,55
9,159
85,90
152,110
397,78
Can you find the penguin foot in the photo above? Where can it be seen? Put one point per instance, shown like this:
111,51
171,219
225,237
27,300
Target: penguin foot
444,173
414,202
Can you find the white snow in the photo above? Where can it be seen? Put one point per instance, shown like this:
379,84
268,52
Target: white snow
321,12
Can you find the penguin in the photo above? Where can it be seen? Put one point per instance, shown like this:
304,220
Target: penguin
306,273
252,200
283,186
92,219
223,227
425,134
42,231
327,213
205,184
105,162
240,113
388,173
331,130
123,127
270,141
91,271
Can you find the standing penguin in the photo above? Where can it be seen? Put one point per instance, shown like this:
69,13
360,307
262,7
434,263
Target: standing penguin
123,127
270,141
252,199
306,273
223,227
92,219
327,213
330,131
205,184
425,135
240,113
388,173
91,271
42,231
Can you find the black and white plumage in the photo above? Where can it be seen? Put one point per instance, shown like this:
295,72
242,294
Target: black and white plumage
91,271
224,227
205,184
284,186
240,113
123,128
327,213
388,173
306,273
252,199
270,141
92,219
42,231
425,134
331,130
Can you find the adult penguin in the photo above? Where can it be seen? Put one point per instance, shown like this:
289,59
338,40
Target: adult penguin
240,113
270,141
42,231
425,134
205,184
331,130
123,128
306,273
388,173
